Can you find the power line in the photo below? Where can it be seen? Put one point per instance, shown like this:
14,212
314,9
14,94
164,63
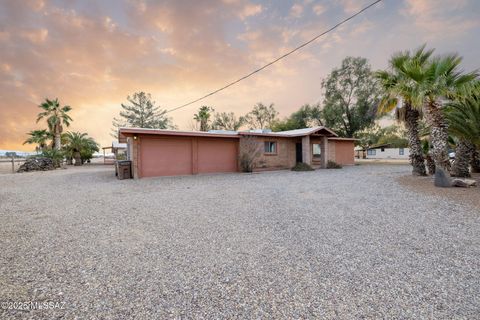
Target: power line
278,59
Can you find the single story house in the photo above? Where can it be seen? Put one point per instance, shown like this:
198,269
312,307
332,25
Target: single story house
156,152
383,151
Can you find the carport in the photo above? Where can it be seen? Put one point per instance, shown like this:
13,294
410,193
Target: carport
169,153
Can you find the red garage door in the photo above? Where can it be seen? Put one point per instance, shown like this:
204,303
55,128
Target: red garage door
165,156
217,155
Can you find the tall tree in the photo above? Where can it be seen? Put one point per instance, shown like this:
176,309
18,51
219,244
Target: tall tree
262,116
227,121
203,117
399,92
440,80
305,117
142,112
57,116
351,97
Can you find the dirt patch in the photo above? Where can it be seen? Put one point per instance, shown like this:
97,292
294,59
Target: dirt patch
460,195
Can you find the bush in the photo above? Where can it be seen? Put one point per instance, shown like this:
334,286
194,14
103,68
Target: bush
300,166
333,165
56,156
250,150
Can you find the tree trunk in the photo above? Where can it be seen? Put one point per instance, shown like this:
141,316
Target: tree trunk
430,164
78,159
416,152
461,166
438,135
475,161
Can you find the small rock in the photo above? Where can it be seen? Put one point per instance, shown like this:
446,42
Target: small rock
464,183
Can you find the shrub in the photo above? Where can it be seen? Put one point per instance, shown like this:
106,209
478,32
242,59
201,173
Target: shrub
333,165
300,166
56,156
250,150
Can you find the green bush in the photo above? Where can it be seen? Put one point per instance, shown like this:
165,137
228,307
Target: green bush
56,155
333,165
300,166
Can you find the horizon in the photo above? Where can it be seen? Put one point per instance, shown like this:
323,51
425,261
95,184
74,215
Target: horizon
93,55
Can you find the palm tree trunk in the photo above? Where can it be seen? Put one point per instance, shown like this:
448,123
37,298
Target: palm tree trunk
461,166
416,152
430,164
78,159
438,135
475,161
58,138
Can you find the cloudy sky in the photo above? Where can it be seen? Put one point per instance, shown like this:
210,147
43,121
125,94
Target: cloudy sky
92,54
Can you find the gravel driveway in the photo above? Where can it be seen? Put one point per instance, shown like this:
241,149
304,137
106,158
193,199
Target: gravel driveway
343,244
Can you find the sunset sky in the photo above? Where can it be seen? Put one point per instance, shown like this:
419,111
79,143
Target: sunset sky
92,54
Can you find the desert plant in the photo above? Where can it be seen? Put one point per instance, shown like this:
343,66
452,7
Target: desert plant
57,156
250,150
333,165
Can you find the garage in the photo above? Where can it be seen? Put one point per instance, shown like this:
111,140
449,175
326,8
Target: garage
217,155
170,152
165,156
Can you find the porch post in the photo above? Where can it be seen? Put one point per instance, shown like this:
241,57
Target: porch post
306,150
324,152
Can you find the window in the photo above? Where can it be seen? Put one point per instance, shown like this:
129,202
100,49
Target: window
371,152
401,151
270,147
317,151
383,149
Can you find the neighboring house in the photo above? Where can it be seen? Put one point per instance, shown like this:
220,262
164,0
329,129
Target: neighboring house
171,152
383,152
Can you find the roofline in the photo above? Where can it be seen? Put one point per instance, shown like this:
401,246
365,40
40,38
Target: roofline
343,139
166,132
286,135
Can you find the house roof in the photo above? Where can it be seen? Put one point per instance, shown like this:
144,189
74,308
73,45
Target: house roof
292,133
168,132
118,145
230,134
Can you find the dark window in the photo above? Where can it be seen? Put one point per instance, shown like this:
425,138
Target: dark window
270,147
401,151
383,149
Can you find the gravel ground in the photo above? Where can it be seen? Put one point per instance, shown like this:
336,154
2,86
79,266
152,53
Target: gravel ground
343,244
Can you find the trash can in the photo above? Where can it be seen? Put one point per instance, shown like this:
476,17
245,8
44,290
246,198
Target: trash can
124,169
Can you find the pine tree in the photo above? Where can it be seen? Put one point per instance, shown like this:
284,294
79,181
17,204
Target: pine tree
142,112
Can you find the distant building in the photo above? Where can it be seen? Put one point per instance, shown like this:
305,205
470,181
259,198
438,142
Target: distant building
384,151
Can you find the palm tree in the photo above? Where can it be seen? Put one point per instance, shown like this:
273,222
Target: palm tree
440,80
79,146
203,116
399,87
40,137
56,116
464,123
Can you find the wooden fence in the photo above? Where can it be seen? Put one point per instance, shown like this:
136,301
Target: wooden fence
13,160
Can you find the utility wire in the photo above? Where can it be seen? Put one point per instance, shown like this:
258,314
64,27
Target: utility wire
279,58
